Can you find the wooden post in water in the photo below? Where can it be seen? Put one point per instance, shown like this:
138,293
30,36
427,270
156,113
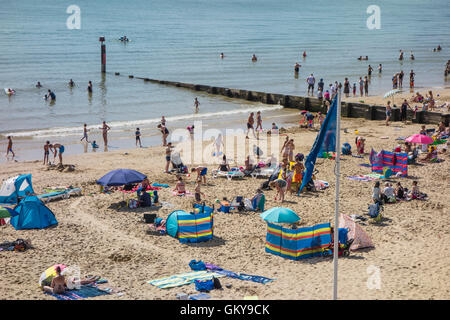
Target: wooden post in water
103,53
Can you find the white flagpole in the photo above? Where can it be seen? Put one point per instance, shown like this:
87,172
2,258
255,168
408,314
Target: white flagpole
336,213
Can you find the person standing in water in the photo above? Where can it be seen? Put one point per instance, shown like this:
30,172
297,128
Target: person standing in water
196,104
361,87
254,58
85,133
89,88
411,79
380,68
297,67
311,81
38,85
138,137
9,147
369,70
250,123
346,87
400,79
71,83
258,121
105,128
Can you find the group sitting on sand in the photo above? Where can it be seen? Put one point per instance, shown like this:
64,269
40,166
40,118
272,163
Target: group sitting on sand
60,284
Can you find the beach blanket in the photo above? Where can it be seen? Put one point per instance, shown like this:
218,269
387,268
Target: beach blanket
187,193
366,177
183,279
240,276
87,291
158,185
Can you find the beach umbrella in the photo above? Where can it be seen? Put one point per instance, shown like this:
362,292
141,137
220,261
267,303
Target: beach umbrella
280,215
121,177
48,275
419,138
392,93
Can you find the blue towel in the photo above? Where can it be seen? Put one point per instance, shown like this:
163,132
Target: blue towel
82,293
160,185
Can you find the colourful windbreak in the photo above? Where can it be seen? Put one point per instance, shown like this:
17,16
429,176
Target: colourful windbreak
300,243
397,162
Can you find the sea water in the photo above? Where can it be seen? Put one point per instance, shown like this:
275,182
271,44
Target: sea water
181,40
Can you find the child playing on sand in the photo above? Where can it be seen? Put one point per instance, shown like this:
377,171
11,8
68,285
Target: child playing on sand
415,193
376,193
168,153
321,118
198,193
399,191
201,172
279,184
360,145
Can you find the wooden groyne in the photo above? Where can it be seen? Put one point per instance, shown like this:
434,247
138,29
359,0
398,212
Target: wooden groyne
349,109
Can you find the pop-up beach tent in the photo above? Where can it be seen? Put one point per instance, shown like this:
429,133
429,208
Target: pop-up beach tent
14,188
31,213
190,227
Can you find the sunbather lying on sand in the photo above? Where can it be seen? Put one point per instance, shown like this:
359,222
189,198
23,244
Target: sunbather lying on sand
59,284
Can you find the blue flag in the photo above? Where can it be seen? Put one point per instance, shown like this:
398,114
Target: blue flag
325,142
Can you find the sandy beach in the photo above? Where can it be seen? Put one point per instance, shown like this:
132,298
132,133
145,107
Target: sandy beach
102,239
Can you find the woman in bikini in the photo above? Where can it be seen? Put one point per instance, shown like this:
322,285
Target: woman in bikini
180,187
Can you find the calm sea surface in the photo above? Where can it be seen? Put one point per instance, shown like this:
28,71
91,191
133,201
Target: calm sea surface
181,40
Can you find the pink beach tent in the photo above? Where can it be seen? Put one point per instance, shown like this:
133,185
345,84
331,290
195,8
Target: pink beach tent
361,238
419,138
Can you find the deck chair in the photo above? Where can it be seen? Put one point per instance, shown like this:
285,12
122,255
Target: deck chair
234,173
264,172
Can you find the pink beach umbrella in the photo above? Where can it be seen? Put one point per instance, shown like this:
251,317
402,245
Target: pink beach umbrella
419,138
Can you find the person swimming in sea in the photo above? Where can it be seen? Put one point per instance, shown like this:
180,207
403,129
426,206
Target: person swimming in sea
254,58
38,85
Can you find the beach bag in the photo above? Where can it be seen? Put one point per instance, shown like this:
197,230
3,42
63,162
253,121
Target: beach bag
197,266
217,284
204,285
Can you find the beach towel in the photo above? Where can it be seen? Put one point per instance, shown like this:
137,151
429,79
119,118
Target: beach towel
187,193
158,185
86,291
183,279
240,276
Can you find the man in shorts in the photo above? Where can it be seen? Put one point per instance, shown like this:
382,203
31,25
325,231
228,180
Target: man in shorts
311,81
250,122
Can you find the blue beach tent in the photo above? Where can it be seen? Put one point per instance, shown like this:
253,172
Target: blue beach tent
31,213
14,188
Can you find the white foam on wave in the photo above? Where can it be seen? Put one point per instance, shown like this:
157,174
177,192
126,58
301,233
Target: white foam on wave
124,125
